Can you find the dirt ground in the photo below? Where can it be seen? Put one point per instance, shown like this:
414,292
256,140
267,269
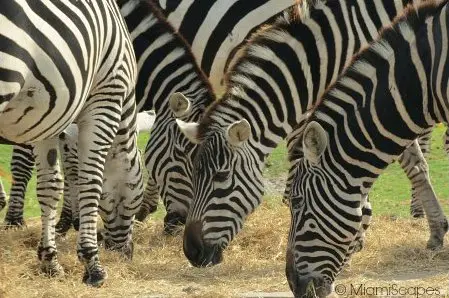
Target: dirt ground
394,256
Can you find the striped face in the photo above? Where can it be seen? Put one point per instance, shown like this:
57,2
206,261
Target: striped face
171,165
226,191
326,224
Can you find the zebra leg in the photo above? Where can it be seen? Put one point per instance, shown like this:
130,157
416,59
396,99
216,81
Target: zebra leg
68,142
416,208
150,200
2,196
49,189
22,164
415,166
122,197
91,155
359,242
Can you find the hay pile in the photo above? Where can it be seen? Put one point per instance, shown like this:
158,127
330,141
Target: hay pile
254,262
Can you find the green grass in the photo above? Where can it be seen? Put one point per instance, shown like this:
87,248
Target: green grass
390,194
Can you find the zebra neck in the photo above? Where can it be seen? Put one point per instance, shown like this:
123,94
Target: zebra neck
383,102
286,67
165,62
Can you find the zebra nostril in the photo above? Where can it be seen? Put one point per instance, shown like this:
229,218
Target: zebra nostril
193,244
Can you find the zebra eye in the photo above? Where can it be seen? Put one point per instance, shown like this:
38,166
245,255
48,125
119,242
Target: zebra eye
221,176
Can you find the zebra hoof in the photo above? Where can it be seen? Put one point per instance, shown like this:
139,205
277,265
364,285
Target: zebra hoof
52,268
173,223
143,213
436,239
63,226
360,243
76,224
96,277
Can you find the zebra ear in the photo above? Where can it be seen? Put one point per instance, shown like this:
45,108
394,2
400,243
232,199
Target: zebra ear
238,132
190,130
179,104
314,141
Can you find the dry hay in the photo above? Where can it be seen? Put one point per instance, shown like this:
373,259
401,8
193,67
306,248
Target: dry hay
394,253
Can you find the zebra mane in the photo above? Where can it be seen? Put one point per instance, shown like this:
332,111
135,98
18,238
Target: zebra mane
406,25
152,8
297,13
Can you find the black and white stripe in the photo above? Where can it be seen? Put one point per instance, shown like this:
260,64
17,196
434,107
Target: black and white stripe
283,70
166,66
216,30
65,61
392,92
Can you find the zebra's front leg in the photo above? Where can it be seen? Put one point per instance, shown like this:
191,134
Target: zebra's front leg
22,164
49,189
2,196
121,199
149,202
415,166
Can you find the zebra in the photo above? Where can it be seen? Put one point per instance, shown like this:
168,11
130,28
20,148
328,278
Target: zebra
217,30
183,93
246,16
73,61
393,91
283,70
202,24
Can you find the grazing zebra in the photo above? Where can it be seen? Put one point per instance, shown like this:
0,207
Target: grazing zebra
65,61
166,67
216,30
392,92
282,72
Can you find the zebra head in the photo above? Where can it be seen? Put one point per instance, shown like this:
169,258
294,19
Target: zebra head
226,186
169,157
326,223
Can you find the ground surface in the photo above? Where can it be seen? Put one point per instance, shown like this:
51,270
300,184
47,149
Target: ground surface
394,256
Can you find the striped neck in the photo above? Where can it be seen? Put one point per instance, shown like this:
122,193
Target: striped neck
383,101
165,62
287,66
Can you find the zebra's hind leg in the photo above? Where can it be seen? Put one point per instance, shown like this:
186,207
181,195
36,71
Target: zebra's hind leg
69,215
22,164
415,166
121,198
2,196
49,189
149,202
416,208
